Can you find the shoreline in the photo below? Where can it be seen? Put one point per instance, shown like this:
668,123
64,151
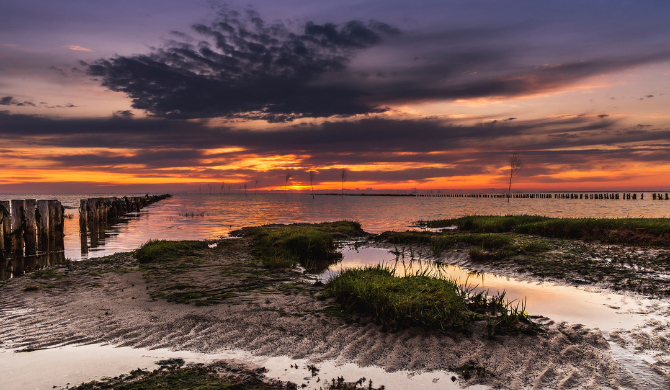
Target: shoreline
110,301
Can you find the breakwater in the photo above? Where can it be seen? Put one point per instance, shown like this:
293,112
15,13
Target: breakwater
32,231
95,214
541,195
29,226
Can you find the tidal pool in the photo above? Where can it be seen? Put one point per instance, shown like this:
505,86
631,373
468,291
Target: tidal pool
591,307
72,365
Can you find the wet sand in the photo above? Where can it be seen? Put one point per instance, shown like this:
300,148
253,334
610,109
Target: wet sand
110,301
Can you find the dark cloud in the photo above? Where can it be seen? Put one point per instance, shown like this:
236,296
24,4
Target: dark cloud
447,78
601,116
243,67
366,140
650,96
417,150
60,71
240,66
67,105
10,101
125,114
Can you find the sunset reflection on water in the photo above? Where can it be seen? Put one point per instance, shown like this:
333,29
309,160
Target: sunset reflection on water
205,216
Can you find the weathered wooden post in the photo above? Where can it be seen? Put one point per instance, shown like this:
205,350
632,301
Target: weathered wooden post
83,216
91,214
30,230
18,207
43,224
5,221
101,210
55,218
84,243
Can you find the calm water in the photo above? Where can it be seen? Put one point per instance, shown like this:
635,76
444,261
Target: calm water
194,216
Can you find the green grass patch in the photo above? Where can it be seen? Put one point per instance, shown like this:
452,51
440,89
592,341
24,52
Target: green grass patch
44,274
163,250
172,376
311,245
439,242
422,297
624,231
485,223
479,240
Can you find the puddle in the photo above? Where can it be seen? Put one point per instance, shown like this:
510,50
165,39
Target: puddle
72,365
591,307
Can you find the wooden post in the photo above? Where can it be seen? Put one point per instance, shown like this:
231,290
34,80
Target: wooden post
83,243
30,234
91,213
17,226
17,215
43,225
4,224
55,218
83,216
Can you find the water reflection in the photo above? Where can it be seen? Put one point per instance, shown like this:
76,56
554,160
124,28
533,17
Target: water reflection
19,265
594,308
205,216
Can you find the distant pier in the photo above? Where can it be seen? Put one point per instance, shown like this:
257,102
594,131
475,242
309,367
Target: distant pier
539,195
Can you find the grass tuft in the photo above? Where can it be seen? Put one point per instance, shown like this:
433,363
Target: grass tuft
163,250
311,245
424,297
172,375
624,231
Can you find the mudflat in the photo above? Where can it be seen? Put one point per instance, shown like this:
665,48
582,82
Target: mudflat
210,299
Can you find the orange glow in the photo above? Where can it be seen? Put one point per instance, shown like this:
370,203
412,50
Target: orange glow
23,164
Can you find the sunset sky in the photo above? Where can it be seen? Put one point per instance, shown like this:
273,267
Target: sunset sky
168,95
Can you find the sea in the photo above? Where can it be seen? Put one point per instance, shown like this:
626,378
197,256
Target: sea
213,216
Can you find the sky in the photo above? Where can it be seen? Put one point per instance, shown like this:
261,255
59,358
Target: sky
172,95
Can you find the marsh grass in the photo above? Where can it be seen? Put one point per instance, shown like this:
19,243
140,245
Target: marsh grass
172,375
311,245
630,231
423,295
163,250
485,223
44,274
502,244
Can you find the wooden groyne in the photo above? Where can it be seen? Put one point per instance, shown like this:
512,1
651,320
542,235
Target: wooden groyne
32,231
540,195
96,214
30,226
590,196
94,211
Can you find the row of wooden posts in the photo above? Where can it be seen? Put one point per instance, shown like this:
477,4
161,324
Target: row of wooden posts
626,196
29,224
96,211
